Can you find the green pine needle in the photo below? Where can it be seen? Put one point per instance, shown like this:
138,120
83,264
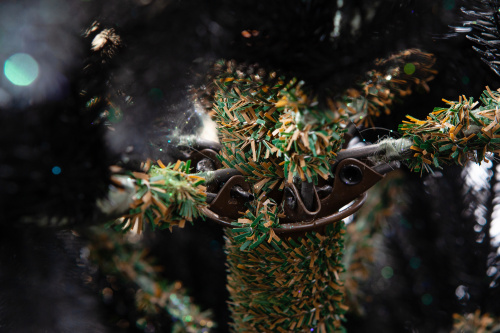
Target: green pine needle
127,262
465,131
166,196
290,287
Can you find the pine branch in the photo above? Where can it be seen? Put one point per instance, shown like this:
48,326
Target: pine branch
165,196
484,26
475,323
462,132
288,288
267,138
119,257
276,121
391,80
254,229
272,132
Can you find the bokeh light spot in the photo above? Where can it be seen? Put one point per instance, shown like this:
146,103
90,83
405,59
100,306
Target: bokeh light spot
21,69
427,299
461,292
449,4
465,79
156,94
56,170
415,262
114,113
387,272
409,68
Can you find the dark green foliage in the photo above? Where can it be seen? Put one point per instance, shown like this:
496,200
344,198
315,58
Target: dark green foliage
463,132
274,133
121,258
166,196
290,286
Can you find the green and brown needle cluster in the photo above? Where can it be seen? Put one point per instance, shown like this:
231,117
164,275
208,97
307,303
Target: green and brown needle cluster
166,196
391,80
273,133
272,130
293,286
464,131
475,323
155,297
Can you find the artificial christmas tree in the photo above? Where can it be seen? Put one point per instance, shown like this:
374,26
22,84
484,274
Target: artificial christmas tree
282,123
